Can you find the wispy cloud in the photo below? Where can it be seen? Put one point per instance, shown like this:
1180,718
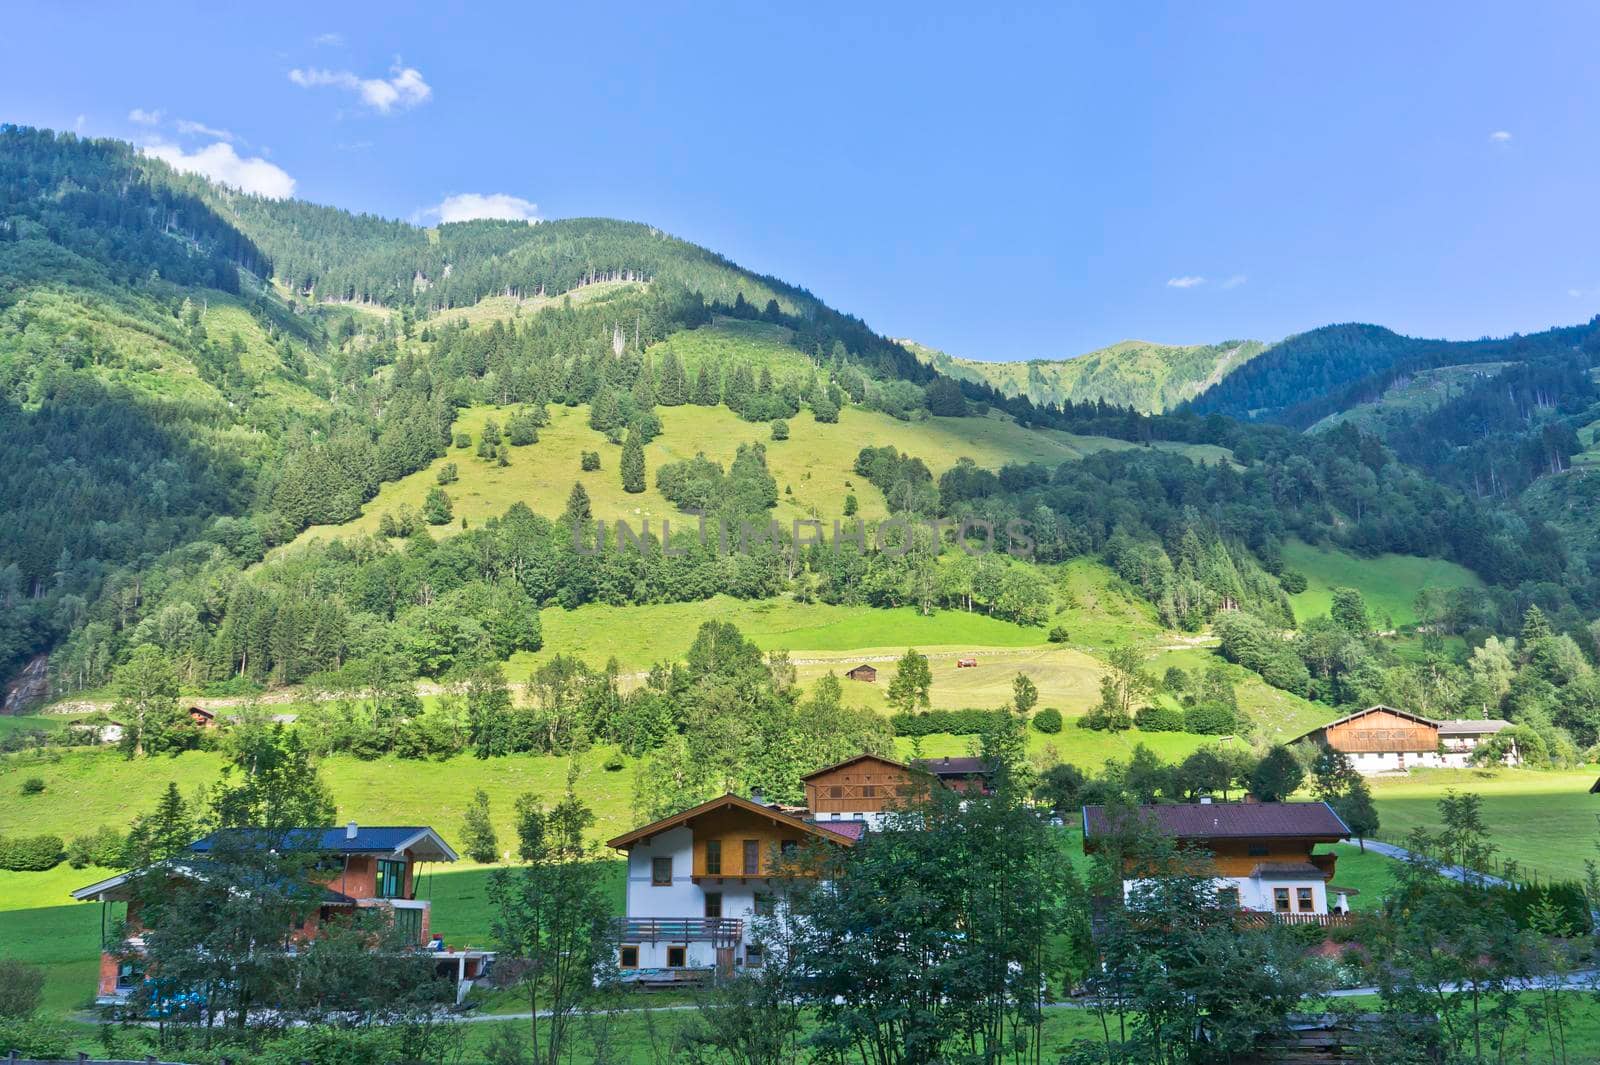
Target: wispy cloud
79,123
401,91
1185,281
222,164
1235,281
466,206
200,129
328,40
145,118
1500,136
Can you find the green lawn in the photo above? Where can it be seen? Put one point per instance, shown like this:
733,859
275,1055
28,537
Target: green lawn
1389,583
1368,873
1545,821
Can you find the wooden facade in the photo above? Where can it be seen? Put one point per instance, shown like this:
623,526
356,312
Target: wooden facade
1382,730
865,784
732,842
863,672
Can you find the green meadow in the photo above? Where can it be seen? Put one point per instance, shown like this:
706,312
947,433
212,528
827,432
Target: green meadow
1389,583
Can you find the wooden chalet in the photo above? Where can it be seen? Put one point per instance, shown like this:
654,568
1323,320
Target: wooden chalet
1383,739
863,788
960,774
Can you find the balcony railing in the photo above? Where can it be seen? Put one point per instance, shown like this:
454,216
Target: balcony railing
1327,920
721,930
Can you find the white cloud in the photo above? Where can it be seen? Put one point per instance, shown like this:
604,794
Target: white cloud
466,206
80,122
145,118
1186,281
222,164
1235,281
403,90
1500,136
199,129
328,40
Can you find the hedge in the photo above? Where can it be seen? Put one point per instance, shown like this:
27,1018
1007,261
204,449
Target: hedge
967,722
31,854
1159,719
1048,720
1209,719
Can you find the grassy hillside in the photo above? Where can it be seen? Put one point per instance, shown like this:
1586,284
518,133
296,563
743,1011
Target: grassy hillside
1136,373
1411,394
814,468
1389,583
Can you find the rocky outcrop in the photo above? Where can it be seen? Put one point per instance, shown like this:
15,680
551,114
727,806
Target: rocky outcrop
29,687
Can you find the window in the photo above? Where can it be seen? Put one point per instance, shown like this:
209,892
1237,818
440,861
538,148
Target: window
661,871
1280,899
628,957
754,956
1303,900
765,904
391,879
677,957
752,857
130,974
713,904
788,847
713,857
408,923
869,791
1258,850
1228,896
836,792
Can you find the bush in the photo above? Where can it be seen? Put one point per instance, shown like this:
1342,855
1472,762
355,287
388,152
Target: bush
590,461
34,1038
31,854
1048,720
780,430
21,990
1567,896
969,722
33,785
103,848
463,440
1159,719
1209,719
1058,634
614,762
1292,582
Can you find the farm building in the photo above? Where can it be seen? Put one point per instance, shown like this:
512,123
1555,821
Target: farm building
862,788
1264,851
865,673
1381,739
202,717
966,663
961,774
360,868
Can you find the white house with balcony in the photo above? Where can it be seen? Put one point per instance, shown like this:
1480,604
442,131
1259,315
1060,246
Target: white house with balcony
697,880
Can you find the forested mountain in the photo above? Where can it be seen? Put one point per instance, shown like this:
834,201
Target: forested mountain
1312,375
1134,373
189,377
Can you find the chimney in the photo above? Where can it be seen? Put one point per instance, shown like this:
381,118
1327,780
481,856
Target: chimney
350,830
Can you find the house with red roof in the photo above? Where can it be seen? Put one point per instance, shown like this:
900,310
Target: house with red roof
1265,853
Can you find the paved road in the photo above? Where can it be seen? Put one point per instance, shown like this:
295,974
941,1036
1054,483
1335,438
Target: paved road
1454,872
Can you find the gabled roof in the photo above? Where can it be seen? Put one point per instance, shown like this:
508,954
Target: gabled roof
1418,718
728,801
853,761
1230,820
1472,726
426,844
954,767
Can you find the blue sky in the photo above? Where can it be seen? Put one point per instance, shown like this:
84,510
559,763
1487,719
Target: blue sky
1036,181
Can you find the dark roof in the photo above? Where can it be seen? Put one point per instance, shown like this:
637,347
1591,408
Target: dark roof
852,761
864,665
1225,820
368,839
955,767
730,800
848,829
1472,726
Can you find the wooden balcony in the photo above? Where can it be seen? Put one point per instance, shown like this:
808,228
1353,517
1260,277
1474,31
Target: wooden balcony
1327,920
723,931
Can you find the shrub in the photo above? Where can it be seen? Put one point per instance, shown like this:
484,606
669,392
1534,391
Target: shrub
614,762
34,1038
590,461
969,722
33,785
1209,719
1048,720
1159,719
780,430
1294,583
463,440
103,847
31,854
1058,634
21,989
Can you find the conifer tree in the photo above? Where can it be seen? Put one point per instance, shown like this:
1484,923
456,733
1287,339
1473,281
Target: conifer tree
477,831
672,391
644,388
577,506
605,413
706,393
633,472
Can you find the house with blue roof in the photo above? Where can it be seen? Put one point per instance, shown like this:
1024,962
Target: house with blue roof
358,866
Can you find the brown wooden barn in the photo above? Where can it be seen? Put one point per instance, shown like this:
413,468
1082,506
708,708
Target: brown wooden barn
863,672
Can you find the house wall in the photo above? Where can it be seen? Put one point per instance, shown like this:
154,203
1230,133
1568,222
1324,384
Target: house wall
1382,731
867,786
359,877
1233,857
